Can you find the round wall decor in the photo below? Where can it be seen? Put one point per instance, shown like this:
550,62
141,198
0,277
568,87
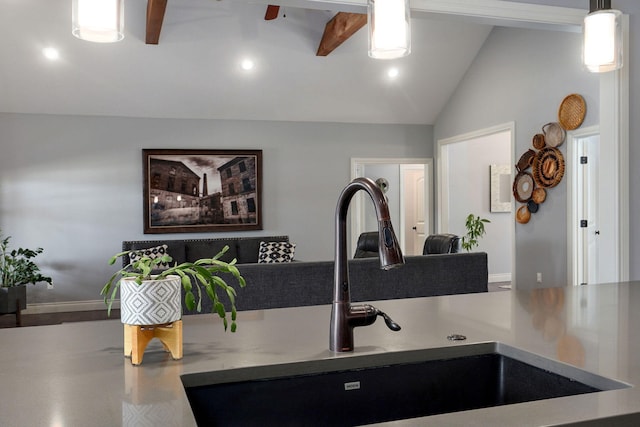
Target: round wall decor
525,160
572,111
554,134
538,141
548,167
523,187
523,215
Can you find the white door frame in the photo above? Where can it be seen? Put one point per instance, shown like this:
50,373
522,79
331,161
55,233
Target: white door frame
357,218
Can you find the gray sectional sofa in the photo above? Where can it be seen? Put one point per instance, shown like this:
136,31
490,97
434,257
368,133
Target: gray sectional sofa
295,284
311,283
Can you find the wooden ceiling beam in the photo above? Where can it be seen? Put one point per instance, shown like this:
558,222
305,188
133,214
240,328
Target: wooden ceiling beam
339,29
272,12
155,16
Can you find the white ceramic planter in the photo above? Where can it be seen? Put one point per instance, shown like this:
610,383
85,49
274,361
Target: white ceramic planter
154,302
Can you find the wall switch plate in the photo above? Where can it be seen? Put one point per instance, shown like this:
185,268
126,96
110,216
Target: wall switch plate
539,277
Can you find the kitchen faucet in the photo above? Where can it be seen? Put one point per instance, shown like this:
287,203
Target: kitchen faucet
344,315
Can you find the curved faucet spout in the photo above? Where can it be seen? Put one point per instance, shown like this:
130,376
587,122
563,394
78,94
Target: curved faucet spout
344,316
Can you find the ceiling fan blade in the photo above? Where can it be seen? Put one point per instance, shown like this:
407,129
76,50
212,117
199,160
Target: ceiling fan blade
272,12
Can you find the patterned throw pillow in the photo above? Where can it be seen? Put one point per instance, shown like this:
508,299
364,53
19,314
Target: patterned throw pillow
270,252
153,253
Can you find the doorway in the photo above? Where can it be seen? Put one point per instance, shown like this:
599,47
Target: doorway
592,211
464,188
412,208
409,183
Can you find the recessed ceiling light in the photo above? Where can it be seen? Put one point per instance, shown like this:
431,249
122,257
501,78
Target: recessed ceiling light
247,64
393,72
51,53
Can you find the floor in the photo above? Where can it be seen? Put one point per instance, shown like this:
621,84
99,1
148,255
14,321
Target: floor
499,286
9,320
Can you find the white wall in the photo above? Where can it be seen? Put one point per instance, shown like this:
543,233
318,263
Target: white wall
73,184
522,76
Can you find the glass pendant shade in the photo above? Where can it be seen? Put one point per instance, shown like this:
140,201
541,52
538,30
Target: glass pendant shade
99,21
602,45
389,28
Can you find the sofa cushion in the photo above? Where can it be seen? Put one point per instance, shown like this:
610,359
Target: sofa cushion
208,249
248,247
175,248
270,252
153,253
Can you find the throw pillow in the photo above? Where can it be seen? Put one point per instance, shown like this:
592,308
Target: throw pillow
270,252
153,253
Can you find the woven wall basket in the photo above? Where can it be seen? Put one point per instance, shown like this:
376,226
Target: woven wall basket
154,302
572,110
548,167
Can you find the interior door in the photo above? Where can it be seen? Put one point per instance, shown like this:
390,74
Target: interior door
413,182
596,254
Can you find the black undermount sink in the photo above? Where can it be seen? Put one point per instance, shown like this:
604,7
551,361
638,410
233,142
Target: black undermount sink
368,389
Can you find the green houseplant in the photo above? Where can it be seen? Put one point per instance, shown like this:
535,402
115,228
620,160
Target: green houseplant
203,275
17,269
475,230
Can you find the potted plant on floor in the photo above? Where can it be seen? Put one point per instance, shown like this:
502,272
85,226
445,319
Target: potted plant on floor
17,269
150,295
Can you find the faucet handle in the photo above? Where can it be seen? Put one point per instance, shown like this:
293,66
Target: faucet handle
388,321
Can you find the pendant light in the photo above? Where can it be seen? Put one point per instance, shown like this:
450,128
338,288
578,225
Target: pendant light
602,45
389,28
100,21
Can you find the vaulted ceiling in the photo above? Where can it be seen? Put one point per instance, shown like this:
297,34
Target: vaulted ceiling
194,69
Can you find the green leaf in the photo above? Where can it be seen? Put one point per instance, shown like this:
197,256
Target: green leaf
219,308
190,300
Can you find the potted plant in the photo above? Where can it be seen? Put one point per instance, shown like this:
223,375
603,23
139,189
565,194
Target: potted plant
17,269
475,230
149,296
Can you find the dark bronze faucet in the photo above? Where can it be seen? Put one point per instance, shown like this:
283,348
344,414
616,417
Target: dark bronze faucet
344,315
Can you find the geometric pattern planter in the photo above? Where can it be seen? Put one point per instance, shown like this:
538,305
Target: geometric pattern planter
154,302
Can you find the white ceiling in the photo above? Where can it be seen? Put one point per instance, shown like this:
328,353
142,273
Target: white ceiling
194,72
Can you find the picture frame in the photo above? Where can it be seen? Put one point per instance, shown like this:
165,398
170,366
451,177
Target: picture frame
500,188
192,191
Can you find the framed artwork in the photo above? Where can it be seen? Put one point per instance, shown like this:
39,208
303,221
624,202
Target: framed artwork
500,188
191,191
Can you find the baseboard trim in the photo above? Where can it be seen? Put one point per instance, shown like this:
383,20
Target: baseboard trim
68,306
503,277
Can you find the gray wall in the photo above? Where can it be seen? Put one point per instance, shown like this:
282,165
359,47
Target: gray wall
73,184
632,8
522,76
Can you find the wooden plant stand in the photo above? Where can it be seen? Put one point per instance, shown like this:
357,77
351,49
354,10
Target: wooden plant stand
136,339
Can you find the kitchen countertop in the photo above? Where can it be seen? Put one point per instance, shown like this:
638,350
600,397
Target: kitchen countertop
75,374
